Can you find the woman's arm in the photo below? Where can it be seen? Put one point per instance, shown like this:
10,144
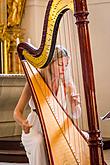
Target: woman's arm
18,112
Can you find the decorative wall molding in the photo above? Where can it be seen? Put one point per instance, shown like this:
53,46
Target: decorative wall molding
44,2
36,3
91,2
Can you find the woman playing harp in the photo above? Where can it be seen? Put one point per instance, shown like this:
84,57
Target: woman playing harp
66,144
32,138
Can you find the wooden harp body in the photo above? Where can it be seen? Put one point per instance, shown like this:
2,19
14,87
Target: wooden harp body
61,148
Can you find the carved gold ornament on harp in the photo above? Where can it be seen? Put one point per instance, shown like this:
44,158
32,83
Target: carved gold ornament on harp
57,7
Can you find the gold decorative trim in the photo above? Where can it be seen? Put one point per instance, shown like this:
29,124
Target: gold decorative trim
10,30
15,12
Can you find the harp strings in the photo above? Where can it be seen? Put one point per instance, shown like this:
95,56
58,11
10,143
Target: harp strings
48,78
72,46
76,70
73,139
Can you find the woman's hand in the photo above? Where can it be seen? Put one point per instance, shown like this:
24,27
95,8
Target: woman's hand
76,106
26,126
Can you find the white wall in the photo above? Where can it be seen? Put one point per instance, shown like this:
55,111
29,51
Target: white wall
99,17
33,20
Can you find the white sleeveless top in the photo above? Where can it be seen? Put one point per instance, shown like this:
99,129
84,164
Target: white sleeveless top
33,120
31,103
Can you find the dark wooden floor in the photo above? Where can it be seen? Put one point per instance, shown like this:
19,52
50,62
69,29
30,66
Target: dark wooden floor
12,150
106,147
6,163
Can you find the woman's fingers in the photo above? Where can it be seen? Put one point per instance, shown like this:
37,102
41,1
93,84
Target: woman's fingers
26,126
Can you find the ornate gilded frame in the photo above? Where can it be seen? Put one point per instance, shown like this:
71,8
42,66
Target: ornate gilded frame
11,12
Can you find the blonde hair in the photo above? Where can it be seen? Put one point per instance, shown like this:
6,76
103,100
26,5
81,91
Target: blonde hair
59,52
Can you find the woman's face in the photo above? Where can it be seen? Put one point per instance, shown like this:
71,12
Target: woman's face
59,66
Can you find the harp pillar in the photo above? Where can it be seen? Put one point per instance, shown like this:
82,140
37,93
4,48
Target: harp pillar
95,142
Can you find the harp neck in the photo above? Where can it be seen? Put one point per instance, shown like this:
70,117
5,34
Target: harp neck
41,57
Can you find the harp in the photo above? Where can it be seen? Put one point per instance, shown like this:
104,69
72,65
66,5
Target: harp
66,144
